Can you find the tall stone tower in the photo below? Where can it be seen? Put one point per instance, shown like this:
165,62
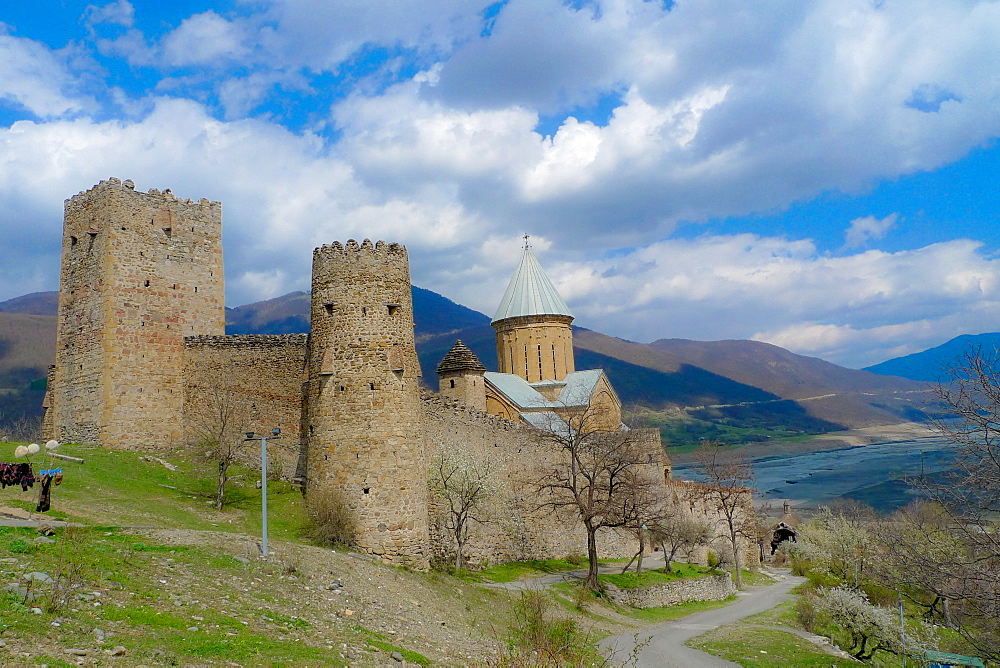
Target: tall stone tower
460,376
363,417
534,337
140,271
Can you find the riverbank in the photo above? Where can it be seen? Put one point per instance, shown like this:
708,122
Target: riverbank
837,440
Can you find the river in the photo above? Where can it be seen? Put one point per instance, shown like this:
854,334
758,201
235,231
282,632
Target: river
873,474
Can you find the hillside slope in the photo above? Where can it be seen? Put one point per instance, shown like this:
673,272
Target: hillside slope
932,365
742,383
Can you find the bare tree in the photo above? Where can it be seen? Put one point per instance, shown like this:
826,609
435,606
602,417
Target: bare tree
465,483
601,476
679,532
727,491
951,548
218,430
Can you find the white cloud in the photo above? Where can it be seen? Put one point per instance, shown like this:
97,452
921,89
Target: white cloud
39,79
204,39
720,109
869,228
120,12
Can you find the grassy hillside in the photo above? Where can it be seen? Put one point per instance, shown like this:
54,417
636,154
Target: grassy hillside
158,577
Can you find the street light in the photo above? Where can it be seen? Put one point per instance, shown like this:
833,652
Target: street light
275,434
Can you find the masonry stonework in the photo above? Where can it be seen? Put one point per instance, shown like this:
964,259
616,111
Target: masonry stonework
141,352
255,379
140,271
364,429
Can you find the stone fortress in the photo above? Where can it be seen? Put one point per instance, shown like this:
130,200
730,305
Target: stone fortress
142,358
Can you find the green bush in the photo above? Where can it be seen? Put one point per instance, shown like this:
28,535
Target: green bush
713,560
805,610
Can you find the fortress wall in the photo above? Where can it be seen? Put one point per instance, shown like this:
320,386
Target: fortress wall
518,528
255,381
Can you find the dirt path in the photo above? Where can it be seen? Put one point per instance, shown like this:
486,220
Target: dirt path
663,645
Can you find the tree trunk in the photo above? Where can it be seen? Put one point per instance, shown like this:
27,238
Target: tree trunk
642,550
460,543
592,582
738,575
220,494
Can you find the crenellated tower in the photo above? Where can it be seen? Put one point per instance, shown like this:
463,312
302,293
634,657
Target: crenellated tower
139,272
362,415
534,337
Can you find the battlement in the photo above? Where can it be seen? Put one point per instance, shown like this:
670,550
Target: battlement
380,250
114,183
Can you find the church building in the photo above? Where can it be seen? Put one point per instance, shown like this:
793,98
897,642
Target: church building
537,382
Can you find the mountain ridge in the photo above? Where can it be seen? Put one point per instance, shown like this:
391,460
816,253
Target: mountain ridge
735,383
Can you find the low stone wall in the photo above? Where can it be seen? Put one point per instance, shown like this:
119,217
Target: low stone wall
711,588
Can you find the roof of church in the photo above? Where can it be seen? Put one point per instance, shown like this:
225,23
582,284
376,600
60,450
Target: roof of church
460,358
578,388
530,292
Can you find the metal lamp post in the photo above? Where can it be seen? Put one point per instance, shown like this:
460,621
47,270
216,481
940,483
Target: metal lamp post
275,434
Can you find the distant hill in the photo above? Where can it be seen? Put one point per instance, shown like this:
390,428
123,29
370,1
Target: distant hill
288,314
27,348
828,393
931,365
731,389
37,303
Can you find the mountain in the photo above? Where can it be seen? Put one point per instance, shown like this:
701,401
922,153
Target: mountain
828,393
27,348
288,314
931,365
37,303
732,390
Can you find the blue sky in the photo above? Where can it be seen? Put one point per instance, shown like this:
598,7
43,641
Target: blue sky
822,175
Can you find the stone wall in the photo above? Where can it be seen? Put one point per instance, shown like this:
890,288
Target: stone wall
519,526
140,271
716,587
250,383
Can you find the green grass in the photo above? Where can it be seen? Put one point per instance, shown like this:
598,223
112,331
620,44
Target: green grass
379,641
648,578
143,616
134,492
666,613
764,648
518,570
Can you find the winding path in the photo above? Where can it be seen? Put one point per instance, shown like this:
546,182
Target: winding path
664,644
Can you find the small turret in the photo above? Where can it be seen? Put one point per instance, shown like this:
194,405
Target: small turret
460,376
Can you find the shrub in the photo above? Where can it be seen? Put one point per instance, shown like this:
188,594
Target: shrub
331,522
538,638
805,609
576,559
713,560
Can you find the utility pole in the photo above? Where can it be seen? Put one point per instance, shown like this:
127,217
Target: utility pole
275,434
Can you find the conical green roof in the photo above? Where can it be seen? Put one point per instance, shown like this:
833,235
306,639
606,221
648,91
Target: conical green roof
530,292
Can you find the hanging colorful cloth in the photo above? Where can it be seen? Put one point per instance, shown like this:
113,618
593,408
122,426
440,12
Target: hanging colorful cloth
43,494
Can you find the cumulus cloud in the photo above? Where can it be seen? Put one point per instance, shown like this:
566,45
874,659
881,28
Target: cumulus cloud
427,116
869,228
120,12
205,38
39,79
